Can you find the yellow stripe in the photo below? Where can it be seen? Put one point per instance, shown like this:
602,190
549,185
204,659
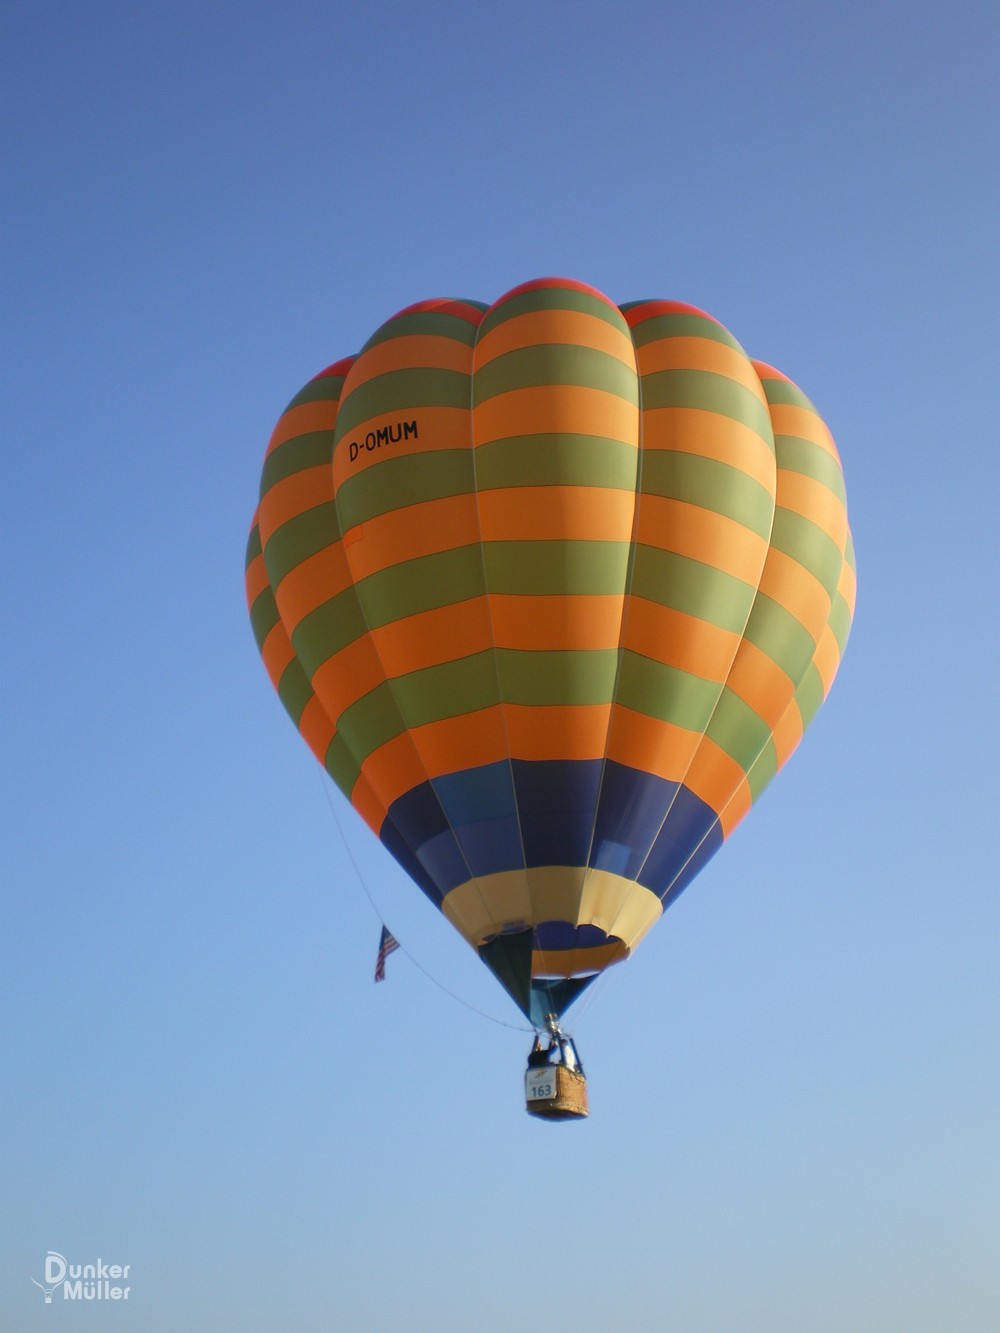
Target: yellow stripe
552,893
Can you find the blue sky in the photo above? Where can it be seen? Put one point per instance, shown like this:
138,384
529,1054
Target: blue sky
793,1082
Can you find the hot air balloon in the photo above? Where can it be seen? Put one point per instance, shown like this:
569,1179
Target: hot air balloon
551,588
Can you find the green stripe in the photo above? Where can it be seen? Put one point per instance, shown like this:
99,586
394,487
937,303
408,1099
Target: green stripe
370,722
784,393
299,538
423,584
666,692
659,327
342,765
556,460
434,323
810,460
809,696
447,689
294,690
809,545
313,449
849,554
840,622
781,636
544,568
552,364
327,629
254,548
737,729
710,485
710,392
323,389
764,768
532,679
263,616
404,479
552,298
402,390
558,678
691,587
446,578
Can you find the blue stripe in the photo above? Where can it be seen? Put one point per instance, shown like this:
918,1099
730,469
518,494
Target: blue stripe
556,800
480,807
690,836
394,842
516,814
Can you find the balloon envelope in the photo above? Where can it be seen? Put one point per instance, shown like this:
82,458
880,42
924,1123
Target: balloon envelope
551,588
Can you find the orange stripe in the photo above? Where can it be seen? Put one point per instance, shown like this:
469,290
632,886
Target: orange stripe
431,637
650,744
303,420
737,808
544,327
787,733
552,623
679,640
555,408
393,769
256,579
456,743
348,676
277,652
714,775
292,496
701,534
571,732
811,499
316,580
486,737
414,351
684,353
693,430
411,532
827,658
848,586
448,746
316,728
760,683
556,513
437,427
369,806
789,420
801,594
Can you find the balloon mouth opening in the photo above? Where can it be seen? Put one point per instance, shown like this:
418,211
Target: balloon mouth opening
542,984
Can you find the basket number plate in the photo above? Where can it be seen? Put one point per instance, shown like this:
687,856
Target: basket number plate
540,1084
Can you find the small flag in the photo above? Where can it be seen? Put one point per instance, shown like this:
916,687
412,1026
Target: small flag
387,944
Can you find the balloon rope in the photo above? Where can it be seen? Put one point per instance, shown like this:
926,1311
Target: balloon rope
515,1027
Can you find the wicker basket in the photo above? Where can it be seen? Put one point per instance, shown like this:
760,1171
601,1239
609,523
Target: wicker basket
556,1093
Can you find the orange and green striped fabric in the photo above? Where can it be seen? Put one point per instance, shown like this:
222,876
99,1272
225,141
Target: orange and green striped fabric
551,588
